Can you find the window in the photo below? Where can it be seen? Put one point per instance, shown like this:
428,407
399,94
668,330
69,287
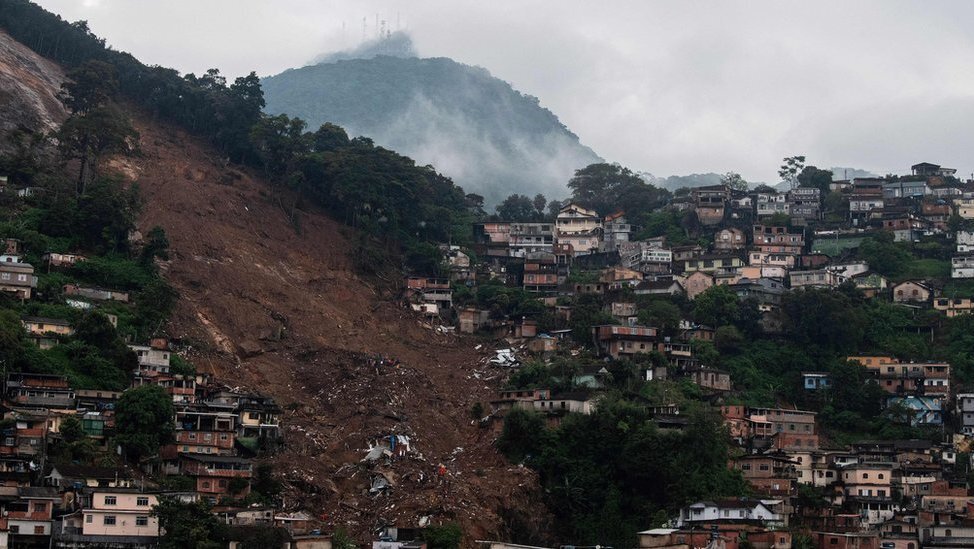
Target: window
109,520
89,518
881,476
110,500
14,529
142,501
39,530
40,507
141,521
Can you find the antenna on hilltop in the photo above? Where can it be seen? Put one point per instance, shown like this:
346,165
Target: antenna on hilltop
377,25
382,29
363,29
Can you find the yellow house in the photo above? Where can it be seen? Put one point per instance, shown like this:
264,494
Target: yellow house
36,325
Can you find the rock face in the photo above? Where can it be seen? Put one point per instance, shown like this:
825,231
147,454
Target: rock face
267,307
28,90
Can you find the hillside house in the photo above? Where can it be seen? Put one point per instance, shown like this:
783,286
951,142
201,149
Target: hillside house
710,203
962,266
804,205
46,332
936,215
430,291
964,207
965,241
615,232
954,306
17,279
213,475
659,287
905,188
44,391
205,430
814,279
492,239
566,403
28,516
695,283
67,476
927,169
114,518
624,341
615,278
769,204
923,410
153,358
871,284
965,412
579,227
541,273
97,294
472,320
786,261
712,263
729,510
912,291
778,239
531,238
773,475
729,239
710,379
55,259
813,381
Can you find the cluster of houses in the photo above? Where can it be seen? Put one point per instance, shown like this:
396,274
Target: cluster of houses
877,494
763,244
46,501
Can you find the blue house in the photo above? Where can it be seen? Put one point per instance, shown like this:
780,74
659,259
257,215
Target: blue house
926,410
814,381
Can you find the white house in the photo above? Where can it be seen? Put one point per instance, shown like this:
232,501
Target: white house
962,266
726,510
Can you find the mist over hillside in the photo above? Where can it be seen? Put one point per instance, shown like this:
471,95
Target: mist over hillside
490,138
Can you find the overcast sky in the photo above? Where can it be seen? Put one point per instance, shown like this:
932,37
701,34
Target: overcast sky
668,87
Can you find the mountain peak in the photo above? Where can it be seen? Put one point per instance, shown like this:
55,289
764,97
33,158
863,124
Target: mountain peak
395,44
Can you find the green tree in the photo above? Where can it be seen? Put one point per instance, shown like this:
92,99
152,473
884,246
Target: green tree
71,430
539,202
144,420
447,536
341,540
661,314
523,435
91,136
734,181
517,207
607,188
89,86
716,306
188,525
811,176
156,245
790,168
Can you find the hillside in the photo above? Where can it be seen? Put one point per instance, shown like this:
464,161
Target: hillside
265,307
475,128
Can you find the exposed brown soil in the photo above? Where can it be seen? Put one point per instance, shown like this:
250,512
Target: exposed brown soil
245,275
